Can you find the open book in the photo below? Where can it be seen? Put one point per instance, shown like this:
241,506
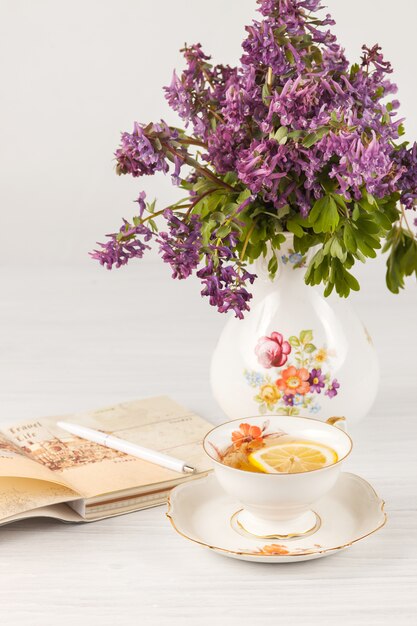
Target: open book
46,472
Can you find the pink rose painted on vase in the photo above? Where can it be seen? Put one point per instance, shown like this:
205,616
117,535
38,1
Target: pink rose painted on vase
272,351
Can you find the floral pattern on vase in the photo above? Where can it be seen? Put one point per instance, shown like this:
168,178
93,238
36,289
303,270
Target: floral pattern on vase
294,259
300,373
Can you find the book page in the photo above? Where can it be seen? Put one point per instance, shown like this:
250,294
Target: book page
14,462
61,512
91,469
18,495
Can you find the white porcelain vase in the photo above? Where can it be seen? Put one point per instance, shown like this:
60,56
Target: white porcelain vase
296,352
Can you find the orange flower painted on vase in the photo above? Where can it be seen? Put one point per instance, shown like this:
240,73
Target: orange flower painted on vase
246,434
294,381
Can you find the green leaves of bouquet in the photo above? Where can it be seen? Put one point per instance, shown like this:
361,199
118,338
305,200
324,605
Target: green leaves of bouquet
354,231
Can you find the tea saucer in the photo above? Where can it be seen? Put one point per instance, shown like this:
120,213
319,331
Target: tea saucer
203,513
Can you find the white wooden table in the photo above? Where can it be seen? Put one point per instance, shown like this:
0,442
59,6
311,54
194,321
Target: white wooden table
72,339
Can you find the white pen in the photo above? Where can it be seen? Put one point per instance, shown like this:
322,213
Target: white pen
122,445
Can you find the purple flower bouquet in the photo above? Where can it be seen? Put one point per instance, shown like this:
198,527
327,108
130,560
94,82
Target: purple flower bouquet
294,139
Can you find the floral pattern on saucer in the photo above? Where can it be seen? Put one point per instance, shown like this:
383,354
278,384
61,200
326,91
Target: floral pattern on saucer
277,549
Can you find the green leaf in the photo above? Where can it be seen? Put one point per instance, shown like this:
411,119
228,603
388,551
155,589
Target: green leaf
306,336
206,230
318,207
366,205
218,217
281,134
351,281
402,260
349,238
266,94
366,250
328,290
289,56
295,134
153,225
315,136
295,228
383,221
223,231
324,215
283,211
259,234
273,265
368,226
294,341
336,250
310,348
356,212
339,200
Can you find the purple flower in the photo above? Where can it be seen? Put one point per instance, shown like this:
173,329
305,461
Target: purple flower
316,380
258,166
224,280
332,390
189,94
288,400
406,159
141,202
267,7
140,153
180,247
123,246
262,48
223,146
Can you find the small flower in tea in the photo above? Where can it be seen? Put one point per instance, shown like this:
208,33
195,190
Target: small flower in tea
246,434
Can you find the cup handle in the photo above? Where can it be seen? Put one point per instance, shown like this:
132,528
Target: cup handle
339,422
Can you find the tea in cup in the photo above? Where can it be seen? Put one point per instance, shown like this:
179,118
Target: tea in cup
277,467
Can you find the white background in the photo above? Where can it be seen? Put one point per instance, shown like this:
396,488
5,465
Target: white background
75,74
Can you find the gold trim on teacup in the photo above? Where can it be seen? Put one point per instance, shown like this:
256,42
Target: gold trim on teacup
293,554
247,533
312,419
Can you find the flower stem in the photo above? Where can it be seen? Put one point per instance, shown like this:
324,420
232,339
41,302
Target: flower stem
197,200
245,245
192,142
193,163
404,217
152,215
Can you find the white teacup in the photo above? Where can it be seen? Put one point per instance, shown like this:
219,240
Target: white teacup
279,505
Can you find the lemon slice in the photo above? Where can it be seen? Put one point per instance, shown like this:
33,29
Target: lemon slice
293,457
